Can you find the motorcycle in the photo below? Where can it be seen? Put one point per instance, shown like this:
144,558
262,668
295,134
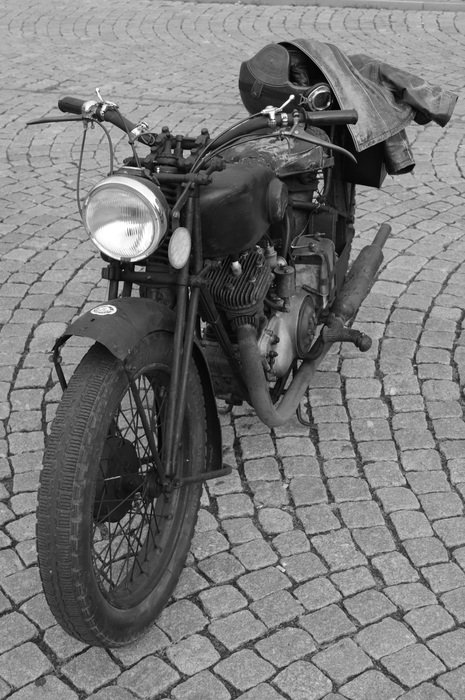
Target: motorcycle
227,262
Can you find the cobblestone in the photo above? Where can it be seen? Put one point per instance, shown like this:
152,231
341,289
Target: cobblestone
429,620
286,646
236,629
222,600
255,554
410,595
180,619
317,593
302,679
453,682
327,624
413,664
450,648
369,606
91,669
451,531
244,669
410,524
193,654
150,676
342,660
338,550
361,514
385,637
441,505
444,577
316,519
221,568
426,550
372,684
50,688
454,601
291,543
203,685
374,540
23,664
14,630
397,498
302,567
277,608
394,568
353,580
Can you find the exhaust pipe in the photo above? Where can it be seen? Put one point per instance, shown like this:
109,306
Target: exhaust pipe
356,287
254,377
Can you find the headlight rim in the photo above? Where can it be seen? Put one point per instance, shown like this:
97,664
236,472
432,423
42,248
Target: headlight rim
146,191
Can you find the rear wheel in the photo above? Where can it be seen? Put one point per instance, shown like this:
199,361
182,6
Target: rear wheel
112,534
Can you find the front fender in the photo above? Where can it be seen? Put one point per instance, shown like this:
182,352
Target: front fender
121,324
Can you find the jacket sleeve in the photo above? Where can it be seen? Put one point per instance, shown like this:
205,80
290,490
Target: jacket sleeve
430,102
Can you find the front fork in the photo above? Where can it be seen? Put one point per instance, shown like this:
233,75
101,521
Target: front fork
187,308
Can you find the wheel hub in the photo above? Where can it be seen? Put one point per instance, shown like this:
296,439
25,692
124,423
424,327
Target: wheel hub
118,481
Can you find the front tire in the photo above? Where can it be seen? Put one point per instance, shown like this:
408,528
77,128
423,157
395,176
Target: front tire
112,536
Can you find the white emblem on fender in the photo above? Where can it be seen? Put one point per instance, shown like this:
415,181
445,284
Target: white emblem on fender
104,310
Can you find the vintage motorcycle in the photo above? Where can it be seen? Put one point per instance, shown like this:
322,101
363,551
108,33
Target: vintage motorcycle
227,265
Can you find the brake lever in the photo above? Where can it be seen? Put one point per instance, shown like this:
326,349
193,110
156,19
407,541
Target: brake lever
49,120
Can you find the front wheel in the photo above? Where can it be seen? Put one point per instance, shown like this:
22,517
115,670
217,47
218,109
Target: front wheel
112,533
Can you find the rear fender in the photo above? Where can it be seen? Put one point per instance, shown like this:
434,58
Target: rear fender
121,324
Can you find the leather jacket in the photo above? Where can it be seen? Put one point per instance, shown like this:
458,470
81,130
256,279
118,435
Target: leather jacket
386,98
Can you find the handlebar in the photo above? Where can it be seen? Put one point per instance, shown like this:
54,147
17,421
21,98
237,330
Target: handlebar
109,113
269,118
97,110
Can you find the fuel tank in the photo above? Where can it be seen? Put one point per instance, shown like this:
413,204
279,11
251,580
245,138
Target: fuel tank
235,209
244,199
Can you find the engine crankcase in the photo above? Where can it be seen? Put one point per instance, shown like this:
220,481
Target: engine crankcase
288,334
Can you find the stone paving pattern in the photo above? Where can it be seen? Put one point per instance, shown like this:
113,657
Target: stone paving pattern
331,563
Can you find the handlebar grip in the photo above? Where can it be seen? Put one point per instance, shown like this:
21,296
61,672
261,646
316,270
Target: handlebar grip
337,117
72,105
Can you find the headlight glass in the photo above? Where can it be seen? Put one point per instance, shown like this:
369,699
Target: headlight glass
126,217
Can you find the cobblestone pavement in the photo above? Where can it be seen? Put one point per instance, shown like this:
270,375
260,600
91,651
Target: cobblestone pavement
331,563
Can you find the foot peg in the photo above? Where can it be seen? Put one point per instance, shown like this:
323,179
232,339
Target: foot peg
336,332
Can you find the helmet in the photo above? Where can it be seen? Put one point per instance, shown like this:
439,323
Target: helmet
278,71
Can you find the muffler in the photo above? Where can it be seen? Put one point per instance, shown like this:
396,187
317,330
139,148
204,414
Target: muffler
361,276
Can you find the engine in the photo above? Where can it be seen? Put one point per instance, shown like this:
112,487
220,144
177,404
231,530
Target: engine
284,301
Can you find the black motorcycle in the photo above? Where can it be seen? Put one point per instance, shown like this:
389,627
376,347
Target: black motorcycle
227,267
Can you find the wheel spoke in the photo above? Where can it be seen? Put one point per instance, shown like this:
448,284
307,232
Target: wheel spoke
131,539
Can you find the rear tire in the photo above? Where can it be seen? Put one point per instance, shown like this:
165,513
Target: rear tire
112,539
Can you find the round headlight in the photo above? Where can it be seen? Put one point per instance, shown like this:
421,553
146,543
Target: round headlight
126,217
